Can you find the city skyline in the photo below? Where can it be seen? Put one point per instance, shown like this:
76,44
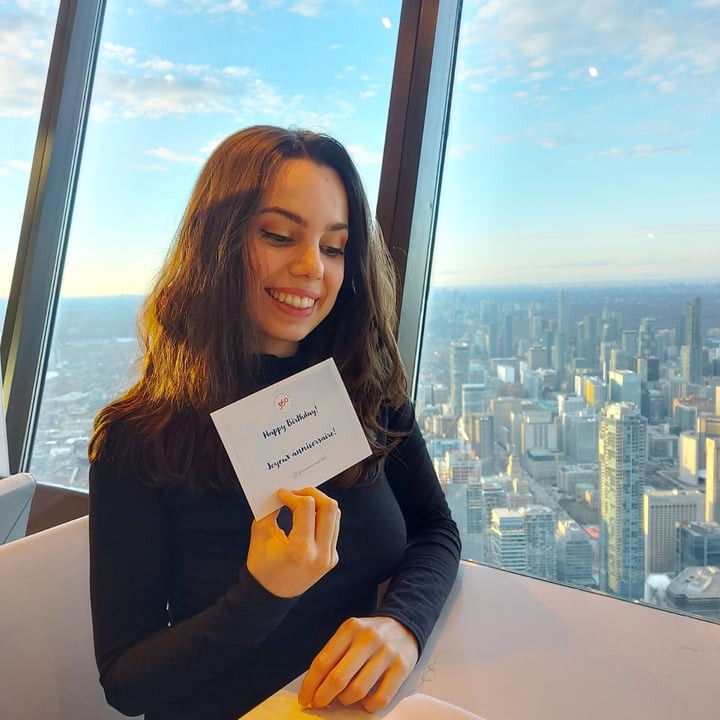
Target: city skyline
501,427
576,153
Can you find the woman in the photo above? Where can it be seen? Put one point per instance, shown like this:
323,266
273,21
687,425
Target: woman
199,611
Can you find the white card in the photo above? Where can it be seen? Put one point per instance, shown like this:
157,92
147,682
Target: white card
296,433
425,707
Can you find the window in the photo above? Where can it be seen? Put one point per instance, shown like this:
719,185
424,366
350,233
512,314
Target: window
26,33
570,356
172,80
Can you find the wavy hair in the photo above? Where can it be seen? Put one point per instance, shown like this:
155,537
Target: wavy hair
198,344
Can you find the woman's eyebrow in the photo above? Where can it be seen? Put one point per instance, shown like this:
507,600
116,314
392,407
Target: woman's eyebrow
294,217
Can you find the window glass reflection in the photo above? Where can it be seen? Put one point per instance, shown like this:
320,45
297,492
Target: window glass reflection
26,33
172,80
569,373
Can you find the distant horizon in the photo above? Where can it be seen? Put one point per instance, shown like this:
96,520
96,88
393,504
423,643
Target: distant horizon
619,283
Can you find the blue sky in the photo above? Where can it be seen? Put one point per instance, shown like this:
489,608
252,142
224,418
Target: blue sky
584,142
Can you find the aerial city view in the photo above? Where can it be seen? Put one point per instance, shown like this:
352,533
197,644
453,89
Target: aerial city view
576,431
567,384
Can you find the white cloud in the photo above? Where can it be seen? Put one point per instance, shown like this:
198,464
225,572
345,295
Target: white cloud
551,143
133,87
121,95
19,165
122,53
504,37
641,151
171,156
209,146
150,168
307,8
27,32
364,156
236,6
539,75
157,65
235,71
158,87
199,6
459,151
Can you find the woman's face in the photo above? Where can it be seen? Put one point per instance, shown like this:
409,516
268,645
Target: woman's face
297,241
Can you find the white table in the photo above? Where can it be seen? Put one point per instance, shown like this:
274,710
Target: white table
509,647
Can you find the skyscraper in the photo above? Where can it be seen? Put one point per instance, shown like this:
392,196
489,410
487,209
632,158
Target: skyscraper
646,337
625,386
580,437
540,525
574,554
478,430
459,373
712,479
693,340
662,511
698,544
508,539
622,449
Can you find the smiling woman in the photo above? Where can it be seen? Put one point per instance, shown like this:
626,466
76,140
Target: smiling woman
199,610
298,243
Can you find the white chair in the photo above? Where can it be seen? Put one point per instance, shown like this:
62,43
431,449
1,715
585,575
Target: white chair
16,494
48,671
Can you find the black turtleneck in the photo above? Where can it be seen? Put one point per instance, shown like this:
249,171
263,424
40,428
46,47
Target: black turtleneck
183,631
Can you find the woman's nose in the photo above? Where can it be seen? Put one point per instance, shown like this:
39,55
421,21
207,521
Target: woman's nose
309,263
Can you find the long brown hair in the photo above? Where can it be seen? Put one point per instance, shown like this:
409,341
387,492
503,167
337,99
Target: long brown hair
198,342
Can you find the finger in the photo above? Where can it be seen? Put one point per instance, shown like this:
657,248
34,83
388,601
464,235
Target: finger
327,517
336,535
324,662
339,678
339,673
366,679
386,689
312,492
302,508
327,525
266,525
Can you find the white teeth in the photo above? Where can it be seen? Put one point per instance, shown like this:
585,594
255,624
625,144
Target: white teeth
293,300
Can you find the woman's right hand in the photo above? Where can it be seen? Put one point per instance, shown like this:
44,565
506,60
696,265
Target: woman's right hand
287,565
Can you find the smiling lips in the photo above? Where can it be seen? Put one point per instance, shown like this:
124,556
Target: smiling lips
294,301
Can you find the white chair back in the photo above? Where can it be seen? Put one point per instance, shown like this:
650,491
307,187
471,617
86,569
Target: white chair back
16,494
48,666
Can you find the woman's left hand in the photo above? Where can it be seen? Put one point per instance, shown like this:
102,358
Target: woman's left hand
365,661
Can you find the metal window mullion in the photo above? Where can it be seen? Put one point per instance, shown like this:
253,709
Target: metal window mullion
43,237
414,153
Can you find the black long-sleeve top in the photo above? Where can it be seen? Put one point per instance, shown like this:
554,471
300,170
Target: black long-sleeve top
183,631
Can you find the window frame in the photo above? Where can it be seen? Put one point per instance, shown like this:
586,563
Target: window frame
409,187
37,275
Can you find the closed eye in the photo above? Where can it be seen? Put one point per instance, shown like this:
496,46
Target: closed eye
275,238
